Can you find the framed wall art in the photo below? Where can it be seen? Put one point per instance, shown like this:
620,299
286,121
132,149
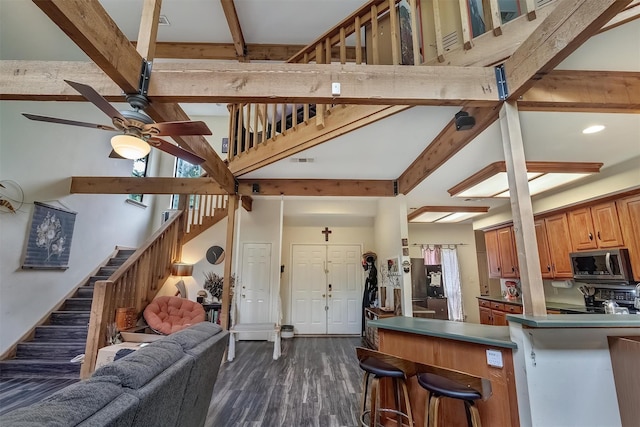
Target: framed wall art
50,234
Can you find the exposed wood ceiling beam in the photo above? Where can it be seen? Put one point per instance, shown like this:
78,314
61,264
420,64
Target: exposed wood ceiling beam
148,185
93,30
630,13
148,31
444,146
279,83
236,31
562,32
317,187
255,52
587,91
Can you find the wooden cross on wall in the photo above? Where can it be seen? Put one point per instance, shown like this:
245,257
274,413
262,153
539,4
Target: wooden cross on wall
326,233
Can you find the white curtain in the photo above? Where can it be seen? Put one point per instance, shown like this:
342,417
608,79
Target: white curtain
451,279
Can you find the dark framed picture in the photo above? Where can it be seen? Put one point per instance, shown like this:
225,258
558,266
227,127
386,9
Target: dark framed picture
50,234
405,251
405,242
225,145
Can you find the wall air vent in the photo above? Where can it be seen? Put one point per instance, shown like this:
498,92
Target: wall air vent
450,40
302,159
162,20
540,3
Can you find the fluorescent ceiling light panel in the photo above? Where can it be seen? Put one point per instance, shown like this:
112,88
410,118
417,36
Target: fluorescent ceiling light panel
542,176
430,214
593,129
457,217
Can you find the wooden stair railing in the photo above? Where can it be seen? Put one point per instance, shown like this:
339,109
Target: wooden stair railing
256,125
134,284
205,211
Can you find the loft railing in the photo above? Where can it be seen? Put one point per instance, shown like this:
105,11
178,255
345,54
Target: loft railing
381,32
134,284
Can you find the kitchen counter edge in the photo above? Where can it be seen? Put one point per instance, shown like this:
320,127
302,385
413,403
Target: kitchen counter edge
497,336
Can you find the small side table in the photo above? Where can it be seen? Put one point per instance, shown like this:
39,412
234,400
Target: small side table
212,309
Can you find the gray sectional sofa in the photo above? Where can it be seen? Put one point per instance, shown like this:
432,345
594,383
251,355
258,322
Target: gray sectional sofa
166,383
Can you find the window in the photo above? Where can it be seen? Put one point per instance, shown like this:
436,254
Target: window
185,170
139,170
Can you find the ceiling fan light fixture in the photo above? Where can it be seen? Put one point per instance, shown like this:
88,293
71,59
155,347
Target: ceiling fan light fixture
130,147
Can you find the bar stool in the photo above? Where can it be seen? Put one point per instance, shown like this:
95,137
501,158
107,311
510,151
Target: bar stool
382,365
438,386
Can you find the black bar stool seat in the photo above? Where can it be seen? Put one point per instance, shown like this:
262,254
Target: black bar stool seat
380,366
439,387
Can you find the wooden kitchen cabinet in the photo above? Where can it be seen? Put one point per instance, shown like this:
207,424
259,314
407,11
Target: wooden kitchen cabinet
558,240
507,250
543,249
629,215
501,253
595,227
493,253
495,313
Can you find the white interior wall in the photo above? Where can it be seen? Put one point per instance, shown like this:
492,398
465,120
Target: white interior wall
41,158
453,233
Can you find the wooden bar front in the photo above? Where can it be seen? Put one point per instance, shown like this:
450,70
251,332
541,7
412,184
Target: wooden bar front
501,409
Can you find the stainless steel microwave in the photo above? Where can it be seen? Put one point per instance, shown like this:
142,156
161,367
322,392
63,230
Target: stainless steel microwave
604,266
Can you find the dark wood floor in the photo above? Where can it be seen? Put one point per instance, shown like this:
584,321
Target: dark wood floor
18,392
315,383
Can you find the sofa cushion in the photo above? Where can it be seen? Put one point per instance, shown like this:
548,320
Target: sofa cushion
169,314
195,335
140,367
101,399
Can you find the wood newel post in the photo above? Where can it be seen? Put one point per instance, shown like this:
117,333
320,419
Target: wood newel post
182,224
97,328
232,204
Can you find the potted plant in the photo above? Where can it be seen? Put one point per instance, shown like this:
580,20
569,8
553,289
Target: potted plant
214,284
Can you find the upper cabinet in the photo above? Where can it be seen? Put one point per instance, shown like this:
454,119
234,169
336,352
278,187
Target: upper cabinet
595,227
559,241
501,253
629,214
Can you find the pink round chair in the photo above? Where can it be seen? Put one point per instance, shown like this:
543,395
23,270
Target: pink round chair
170,314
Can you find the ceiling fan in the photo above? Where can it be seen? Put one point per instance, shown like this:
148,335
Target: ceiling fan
137,130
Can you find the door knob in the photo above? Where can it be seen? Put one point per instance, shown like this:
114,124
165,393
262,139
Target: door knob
329,295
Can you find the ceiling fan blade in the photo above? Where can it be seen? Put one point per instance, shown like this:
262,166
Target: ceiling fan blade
178,128
96,99
172,149
67,122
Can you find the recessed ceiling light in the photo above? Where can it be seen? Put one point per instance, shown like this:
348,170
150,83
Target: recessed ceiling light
593,129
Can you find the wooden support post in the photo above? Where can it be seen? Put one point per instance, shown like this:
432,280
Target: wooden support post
358,28
228,260
531,9
146,44
522,212
464,19
496,20
437,26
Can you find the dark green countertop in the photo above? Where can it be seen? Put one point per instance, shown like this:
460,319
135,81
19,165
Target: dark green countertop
497,336
566,308
578,320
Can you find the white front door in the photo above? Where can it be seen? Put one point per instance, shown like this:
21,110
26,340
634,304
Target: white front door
326,289
254,293
308,296
344,290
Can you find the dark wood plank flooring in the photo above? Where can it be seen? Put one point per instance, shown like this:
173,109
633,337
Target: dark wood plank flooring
18,392
315,383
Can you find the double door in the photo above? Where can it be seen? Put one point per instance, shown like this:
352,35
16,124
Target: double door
326,289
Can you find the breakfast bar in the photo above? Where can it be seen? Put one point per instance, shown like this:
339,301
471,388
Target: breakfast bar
460,346
534,364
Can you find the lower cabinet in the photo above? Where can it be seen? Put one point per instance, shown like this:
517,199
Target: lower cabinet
495,313
439,305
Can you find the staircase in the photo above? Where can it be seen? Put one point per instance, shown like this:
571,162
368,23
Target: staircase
62,336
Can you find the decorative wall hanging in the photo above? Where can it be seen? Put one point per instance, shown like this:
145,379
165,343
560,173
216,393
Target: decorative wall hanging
50,233
215,255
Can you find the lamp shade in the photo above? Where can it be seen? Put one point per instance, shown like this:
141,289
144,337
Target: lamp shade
181,269
130,147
